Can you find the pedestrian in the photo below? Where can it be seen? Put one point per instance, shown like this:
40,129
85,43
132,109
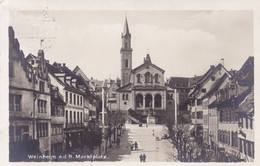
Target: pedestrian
118,142
144,157
131,147
141,158
136,145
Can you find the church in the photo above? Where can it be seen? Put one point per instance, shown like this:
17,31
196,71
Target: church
143,95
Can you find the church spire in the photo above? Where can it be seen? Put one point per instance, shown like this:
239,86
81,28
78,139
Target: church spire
126,29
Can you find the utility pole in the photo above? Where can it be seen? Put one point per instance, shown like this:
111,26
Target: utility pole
103,115
175,106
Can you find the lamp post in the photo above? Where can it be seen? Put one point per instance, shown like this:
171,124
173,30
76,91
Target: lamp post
175,106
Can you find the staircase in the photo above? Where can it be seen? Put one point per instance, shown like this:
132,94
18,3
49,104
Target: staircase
133,120
135,117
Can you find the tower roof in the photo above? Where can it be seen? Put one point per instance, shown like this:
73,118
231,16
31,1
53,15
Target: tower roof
126,29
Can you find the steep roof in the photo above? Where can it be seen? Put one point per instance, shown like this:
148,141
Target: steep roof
207,75
126,29
231,101
245,76
247,105
126,87
179,82
215,86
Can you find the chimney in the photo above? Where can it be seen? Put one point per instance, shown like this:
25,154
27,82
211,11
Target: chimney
222,61
64,64
41,53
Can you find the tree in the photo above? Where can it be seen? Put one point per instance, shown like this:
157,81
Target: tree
92,139
182,139
115,120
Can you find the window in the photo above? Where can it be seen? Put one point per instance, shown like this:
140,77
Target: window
77,117
148,77
57,111
66,116
193,115
199,102
123,96
66,94
70,98
74,117
203,90
246,122
81,100
41,86
158,101
139,100
156,78
138,76
125,44
41,106
126,63
70,116
126,96
11,69
77,99
212,78
56,129
32,62
42,129
74,99
251,123
199,115
81,118
14,102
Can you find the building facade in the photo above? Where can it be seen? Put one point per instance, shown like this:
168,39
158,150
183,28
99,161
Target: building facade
29,104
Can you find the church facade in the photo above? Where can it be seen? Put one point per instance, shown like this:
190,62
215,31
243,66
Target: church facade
143,95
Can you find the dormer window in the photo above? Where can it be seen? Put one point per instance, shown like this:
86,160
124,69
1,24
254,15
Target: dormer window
212,78
203,90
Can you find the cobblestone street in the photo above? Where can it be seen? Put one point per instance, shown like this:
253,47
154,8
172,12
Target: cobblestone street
154,150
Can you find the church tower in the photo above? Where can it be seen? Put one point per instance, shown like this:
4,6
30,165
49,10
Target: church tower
126,55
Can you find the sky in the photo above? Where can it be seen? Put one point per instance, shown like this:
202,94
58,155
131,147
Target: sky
183,43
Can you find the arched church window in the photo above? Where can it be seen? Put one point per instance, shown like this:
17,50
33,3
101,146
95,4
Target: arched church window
158,101
156,78
123,96
148,77
139,100
126,63
148,100
138,76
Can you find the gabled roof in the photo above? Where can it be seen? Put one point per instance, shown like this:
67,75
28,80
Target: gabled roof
145,64
207,75
178,82
30,56
126,87
215,86
245,76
